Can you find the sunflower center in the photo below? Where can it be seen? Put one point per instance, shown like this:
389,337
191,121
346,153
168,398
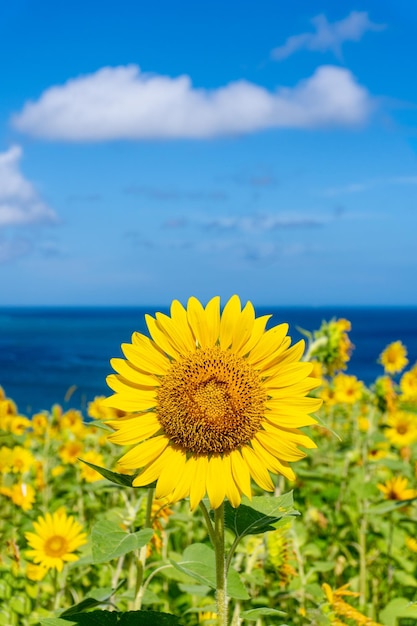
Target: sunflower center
211,402
56,546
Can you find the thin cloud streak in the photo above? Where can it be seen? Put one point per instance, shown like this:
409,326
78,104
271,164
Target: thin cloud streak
328,36
352,188
122,102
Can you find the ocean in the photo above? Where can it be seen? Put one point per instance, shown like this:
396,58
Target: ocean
61,355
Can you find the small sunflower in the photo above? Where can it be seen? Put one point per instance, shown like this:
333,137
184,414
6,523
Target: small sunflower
348,389
55,540
213,400
394,357
396,489
402,428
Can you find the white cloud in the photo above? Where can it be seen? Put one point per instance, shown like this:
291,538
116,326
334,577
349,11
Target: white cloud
124,103
328,36
20,203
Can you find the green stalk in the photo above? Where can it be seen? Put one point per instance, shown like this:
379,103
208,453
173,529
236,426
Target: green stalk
363,529
219,548
216,534
141,560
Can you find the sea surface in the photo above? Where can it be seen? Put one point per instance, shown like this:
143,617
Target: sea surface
61,355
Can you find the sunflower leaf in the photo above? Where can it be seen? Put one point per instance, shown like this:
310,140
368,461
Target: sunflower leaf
95,598
253,614
259,515
115,618
198,562
389,505
124,480
110,542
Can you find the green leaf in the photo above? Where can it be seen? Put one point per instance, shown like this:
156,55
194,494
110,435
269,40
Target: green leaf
399,607
198,562
253,614
389,505
258,515
55,621
113,618
124,480
95,598
109,542
405,579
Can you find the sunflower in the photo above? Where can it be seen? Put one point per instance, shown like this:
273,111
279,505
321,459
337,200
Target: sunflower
21,494
212,400
402,428
394,357
56,539
348,389
396,489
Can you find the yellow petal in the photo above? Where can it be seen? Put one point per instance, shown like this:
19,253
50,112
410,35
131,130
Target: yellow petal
279,447
198,323
271,462
144,355
301,388
199,467
126,369
243,327
131,402
173,468
293,405
180,322
213,320
290,374
269,345
258,471
216,488
241,473
179,335
119,384
151,472
184,480
230,315
144,453
257,332
232,492
291,435
134,429
160,338
290,421
272,368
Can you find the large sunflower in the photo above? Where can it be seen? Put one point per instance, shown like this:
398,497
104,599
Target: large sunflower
213,400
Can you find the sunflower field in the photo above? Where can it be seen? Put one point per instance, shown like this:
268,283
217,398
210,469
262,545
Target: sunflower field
268,486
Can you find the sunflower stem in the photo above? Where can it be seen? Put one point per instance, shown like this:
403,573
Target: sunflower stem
141,561
209,523
219,549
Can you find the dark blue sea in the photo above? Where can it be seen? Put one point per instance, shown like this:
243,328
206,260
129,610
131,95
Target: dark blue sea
45,351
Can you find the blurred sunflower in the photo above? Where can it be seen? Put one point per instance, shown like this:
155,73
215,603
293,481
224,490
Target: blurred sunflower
214,400
402,428
347,389
21,494
396,489
55,540
408,384
21,460
70,451
394,357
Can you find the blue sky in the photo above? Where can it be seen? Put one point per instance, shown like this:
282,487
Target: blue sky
151,151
